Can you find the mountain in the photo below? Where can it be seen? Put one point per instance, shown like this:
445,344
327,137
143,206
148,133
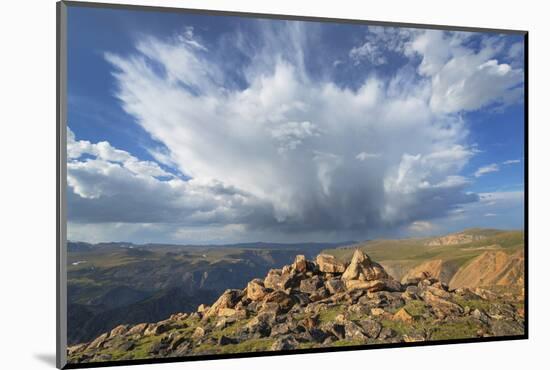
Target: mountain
323,302
123,283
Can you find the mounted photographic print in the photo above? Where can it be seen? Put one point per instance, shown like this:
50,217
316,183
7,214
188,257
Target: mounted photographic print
235,184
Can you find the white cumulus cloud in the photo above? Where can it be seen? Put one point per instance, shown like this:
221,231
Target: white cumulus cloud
286,152
493,167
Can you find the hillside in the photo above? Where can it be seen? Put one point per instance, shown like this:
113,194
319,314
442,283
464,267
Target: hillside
442,256
317,303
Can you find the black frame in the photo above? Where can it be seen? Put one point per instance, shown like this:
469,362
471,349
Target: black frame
61,279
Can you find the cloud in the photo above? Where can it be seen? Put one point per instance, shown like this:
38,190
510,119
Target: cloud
363,156
463,79
486,169
108,185
512,161
379,41
421,227
283,153
291,134
490,215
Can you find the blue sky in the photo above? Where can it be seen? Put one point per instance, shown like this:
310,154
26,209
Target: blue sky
195,128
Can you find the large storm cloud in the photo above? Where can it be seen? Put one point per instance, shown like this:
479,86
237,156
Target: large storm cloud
270,147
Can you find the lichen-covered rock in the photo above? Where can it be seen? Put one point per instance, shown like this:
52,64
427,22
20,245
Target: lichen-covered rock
255,290
311,285
300,263
335,286
327,263
362,268
227,300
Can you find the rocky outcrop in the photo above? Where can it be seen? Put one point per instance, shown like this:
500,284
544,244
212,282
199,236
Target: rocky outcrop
454,239
491,268
255,290
362,273
316,303
227,300
328,263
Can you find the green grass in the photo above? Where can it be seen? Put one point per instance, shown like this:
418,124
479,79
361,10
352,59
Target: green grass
344,342
252,345
454,330
462,328
416,308
329,315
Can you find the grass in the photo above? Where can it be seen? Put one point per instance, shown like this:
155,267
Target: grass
416,308
329,315
344,342
480,304
252,345
436,330
454,330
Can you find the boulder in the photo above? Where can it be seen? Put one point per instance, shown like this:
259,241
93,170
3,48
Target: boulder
480,315
225,312
375,311
441,306
280,329
255,290
276,279
362,268
354,331
338,330
328,264
310,322
99,341
177,341
119,330
414,337
371,286
506,327
223,341
316,335
359,309
284,344
259,326
370,327
137,329
311,285
279,299
179,316
411,293
415,276
76,348
156,329
402,315
335,286
300,263
386,333
227,300
319,294
198,333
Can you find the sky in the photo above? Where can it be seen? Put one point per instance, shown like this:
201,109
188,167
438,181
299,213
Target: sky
221,129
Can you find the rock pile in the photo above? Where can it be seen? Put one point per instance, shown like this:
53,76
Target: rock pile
314,304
